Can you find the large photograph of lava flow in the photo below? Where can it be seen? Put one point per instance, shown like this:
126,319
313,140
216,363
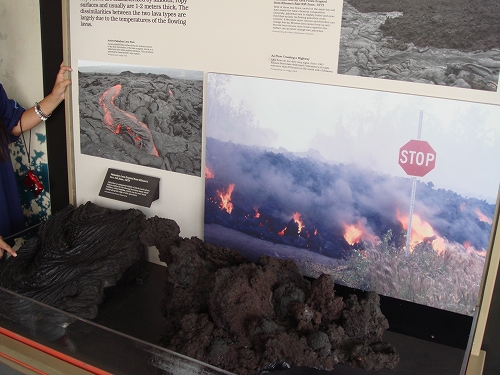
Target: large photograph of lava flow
142,115
438,42
318,174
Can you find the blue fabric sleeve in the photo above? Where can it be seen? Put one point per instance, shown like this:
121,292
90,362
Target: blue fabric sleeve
11,214
10,111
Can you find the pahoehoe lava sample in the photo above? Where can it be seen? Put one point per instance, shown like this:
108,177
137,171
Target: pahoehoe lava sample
76,254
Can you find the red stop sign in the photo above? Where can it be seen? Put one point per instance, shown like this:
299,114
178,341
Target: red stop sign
417,158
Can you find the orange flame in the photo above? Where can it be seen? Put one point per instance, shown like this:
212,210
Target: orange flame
472,250
422,231
296,218
481,253
482,217
225,199
208,173
439,245
257,213
355,233
352,234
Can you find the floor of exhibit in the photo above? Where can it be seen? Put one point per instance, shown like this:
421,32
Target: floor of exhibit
134,311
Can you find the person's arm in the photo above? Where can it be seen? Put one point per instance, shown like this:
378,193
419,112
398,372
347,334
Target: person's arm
30,119
7,248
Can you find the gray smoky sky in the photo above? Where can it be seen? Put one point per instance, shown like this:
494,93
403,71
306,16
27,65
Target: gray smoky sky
364,127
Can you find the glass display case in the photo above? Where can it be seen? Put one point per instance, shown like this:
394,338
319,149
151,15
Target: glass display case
125,337
88,345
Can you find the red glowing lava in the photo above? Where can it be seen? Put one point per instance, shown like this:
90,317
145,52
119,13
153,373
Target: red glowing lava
122,122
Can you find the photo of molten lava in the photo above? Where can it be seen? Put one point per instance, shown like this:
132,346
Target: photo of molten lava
119,121
142,115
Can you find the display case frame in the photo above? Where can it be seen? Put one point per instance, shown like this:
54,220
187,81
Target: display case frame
474,326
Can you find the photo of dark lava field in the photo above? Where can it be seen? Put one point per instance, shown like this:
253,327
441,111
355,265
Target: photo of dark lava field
308,178
448,43
140,115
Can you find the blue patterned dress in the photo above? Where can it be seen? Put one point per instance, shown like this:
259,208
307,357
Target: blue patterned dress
11,214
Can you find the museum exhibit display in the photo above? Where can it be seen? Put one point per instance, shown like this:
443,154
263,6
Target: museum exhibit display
212,304
296,187
219,307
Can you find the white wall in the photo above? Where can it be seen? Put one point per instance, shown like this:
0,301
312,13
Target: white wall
21,76
20,50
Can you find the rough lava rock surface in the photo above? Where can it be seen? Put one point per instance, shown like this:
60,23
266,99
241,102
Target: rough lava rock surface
465,25
439,42
247,317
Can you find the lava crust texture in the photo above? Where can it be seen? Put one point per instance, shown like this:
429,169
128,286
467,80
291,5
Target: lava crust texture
75,255
247,318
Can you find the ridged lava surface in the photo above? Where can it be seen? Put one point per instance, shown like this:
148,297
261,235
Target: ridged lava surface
76,254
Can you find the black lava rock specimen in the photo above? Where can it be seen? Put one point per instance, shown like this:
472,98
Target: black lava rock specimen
248,317
76,254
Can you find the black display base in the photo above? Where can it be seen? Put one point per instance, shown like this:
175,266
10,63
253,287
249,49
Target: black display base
422,322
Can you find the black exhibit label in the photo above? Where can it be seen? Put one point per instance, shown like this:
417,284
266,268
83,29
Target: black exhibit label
130,187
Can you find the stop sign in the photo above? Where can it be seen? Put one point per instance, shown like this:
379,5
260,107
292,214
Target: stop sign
417,158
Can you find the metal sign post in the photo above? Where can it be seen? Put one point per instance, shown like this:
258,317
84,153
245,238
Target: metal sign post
417,158
410,218
413,190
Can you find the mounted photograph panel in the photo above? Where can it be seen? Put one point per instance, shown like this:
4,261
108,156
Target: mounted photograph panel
436,43
161,120
345,182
